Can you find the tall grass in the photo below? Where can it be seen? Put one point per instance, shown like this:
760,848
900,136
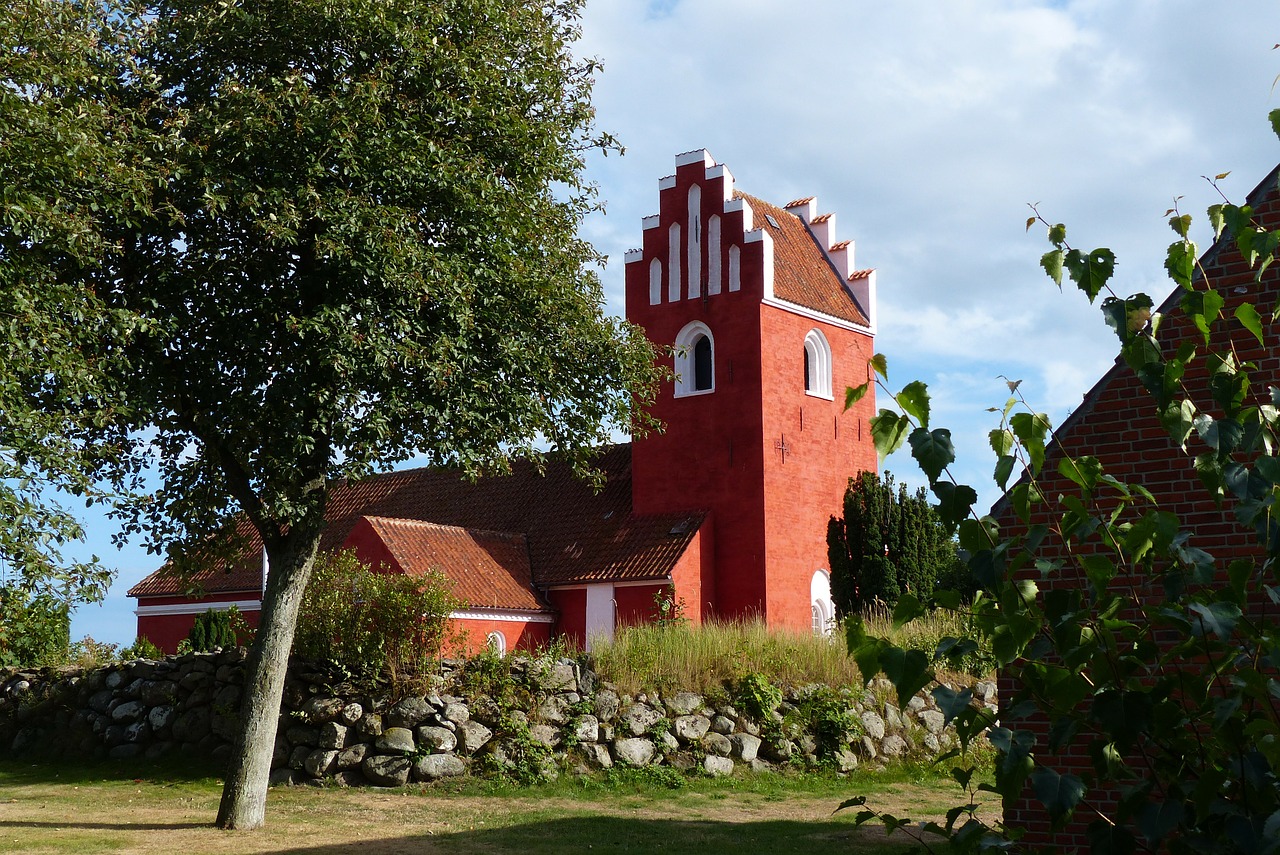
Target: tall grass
706,658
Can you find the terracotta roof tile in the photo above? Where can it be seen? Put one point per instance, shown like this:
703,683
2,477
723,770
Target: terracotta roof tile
802,273
488,569
795,203
573,535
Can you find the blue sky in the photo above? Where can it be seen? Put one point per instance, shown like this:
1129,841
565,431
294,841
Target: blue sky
927,128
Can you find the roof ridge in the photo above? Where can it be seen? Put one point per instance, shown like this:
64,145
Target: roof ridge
406,521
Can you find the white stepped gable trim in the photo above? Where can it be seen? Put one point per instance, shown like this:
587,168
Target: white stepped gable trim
823,229
863,290
666,182
650,222
741,204
841,256
512,615
698,155
633,255
197,608
806,210
721,171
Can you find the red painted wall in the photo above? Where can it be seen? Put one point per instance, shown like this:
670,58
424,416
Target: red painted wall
166,631
571,624
694,575
824,447
634,604
469,637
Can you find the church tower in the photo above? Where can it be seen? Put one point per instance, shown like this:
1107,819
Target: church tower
769,323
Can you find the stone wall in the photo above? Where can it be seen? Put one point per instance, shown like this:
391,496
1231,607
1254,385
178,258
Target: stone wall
526,718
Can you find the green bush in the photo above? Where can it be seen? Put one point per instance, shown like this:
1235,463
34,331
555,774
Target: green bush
142,648
369,622
213,629
35,629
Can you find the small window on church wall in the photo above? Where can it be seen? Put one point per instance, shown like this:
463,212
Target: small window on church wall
695,349
817,365
702,364
655,282
496,642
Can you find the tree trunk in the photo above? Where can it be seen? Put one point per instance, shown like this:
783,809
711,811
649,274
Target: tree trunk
244,796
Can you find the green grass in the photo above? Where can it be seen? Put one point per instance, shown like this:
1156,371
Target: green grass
142,809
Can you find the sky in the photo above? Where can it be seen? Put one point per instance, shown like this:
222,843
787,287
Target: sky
927,129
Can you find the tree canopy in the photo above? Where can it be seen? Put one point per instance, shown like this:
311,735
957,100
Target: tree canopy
295,241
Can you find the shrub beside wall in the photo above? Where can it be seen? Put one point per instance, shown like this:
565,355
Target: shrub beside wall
517,717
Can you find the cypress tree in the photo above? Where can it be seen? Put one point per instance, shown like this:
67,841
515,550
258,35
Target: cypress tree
888,542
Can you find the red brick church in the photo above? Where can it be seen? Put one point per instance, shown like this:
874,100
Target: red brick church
725,511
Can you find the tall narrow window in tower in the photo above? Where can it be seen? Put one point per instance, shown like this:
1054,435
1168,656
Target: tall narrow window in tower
695,360
714,274
655,282
735,268
817,365
673,263
695,242
702,364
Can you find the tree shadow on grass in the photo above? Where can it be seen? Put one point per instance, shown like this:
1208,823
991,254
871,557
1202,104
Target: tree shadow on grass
103,826
171,769
604,835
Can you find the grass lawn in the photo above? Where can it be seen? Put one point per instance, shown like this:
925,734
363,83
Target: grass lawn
48,808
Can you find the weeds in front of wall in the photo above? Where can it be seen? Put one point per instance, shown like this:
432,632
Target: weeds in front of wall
684,657
708,657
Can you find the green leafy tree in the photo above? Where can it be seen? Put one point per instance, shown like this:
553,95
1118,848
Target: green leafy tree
351,241
69,165
1159,663
35,629
888,542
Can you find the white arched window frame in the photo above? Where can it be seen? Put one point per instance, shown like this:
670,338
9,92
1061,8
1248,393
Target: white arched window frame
817,365
822,608
496,642
695,349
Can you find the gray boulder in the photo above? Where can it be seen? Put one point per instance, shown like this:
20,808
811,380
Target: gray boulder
396,740
386,771
745,747
435,766
472,735
717,766
437,740
691,728
634,751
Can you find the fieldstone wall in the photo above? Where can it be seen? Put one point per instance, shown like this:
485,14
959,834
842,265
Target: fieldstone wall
533,719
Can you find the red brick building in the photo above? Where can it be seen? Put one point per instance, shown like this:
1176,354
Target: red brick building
726,509
1117,423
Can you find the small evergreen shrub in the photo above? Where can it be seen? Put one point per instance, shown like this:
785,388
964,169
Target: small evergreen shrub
214,629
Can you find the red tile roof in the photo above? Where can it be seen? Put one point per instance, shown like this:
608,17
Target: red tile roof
488,569
802,273
573,535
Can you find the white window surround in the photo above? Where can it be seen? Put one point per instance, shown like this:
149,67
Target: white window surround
496,642
822,608
818,363
684,360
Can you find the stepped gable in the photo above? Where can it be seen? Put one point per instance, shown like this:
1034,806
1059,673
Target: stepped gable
804,273
488,569
573,534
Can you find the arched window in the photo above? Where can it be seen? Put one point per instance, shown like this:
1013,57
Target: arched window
695,363
496,642
822,609
817,365
655,282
